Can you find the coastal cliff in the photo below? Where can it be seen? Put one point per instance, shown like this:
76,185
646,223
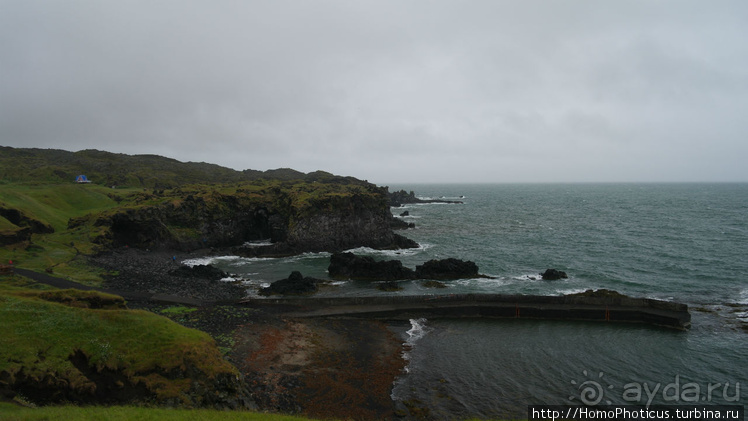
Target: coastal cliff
289,216
153,202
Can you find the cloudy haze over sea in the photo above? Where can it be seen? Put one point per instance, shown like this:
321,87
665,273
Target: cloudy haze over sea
410,91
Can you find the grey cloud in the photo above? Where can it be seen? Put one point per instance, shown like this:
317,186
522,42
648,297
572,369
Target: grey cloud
388,91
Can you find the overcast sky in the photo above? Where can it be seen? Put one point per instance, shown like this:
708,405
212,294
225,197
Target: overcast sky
389,91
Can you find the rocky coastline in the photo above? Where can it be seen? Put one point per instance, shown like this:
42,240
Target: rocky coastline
400,198
293,360
315,367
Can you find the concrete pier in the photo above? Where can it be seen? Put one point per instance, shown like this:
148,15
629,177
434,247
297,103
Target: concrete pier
615,309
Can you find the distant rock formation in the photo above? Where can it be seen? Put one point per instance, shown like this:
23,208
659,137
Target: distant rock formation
402,197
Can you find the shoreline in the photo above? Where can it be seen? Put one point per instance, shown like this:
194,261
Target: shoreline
322,368
327,365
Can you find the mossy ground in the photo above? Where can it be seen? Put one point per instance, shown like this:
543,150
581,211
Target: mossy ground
42,329
12,412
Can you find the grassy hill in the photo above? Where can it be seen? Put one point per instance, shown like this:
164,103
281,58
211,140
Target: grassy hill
54,205
113,169
49,222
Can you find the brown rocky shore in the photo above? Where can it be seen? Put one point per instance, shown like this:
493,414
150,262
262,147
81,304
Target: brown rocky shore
322,368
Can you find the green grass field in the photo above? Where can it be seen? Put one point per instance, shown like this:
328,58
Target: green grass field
55,205
42,328
12,412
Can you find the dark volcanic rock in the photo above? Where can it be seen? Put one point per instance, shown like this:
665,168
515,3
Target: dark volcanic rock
16,236
152,272
447,269
350,266
19,218
295,284
402,197
434,284
553,275
600,293
399,224
389,286
200,271
400,242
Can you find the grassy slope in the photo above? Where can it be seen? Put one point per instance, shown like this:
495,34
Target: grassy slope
55,204
39,336
10,412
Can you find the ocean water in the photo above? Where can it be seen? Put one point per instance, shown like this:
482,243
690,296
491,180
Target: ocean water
680,242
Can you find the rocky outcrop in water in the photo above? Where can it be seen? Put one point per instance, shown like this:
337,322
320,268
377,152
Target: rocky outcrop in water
295,284
402,197
349,266
553,275
447,269
365,268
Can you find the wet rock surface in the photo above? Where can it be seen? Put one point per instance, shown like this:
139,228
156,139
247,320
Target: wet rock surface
553,275
447,269
154,272
350,266
295,284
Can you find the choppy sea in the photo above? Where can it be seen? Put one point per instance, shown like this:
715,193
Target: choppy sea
681,242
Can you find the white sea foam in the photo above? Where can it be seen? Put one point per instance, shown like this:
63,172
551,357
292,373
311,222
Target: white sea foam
231,260
418,329
303,256
258,243
570,291
743,296
390,253
659,297
197,261
528,277
408,216
485,284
